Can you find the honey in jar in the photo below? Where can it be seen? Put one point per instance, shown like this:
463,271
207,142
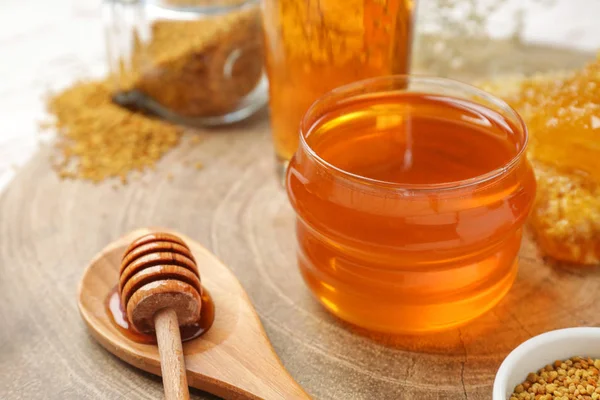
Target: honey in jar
312,47
411,195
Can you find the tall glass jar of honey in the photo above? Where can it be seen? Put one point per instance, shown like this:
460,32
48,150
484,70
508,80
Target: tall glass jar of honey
312,47
411,194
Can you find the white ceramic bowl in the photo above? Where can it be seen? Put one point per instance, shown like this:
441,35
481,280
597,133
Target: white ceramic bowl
541,350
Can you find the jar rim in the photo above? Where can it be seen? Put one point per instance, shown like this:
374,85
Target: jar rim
373,84
215,9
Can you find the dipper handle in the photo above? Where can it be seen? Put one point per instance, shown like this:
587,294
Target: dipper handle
172,363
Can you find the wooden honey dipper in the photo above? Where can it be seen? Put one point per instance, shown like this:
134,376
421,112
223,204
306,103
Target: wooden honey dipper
160,290
233,359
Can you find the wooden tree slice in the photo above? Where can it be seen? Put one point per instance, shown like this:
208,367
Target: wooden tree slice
49,230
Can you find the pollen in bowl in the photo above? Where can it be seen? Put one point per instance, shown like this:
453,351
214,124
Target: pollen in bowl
410,208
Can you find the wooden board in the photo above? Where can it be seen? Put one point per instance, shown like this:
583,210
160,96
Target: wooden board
50,229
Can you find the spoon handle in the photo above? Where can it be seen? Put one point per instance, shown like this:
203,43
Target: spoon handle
172,364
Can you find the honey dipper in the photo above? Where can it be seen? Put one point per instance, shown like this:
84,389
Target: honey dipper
160,290
233,359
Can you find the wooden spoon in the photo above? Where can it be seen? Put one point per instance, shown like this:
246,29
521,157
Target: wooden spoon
233,360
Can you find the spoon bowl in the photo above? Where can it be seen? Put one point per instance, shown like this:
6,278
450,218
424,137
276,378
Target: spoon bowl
233,359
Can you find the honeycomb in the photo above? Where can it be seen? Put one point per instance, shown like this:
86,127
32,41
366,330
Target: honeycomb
562,113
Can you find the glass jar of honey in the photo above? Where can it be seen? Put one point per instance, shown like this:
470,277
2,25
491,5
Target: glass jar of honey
411,194
196,62
312,47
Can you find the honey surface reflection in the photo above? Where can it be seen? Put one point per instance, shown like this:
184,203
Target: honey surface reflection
119,317
410,205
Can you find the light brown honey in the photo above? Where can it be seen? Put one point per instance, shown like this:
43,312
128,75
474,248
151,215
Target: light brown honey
410,206
313,47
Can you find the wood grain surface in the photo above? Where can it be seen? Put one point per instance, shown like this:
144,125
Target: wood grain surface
49,230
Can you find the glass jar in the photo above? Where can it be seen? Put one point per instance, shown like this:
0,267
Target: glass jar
197,62
315,46
411,195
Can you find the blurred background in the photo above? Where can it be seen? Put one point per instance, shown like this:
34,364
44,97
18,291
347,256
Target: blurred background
51,44
498,37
